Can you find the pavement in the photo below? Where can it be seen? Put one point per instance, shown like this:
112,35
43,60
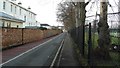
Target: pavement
68,57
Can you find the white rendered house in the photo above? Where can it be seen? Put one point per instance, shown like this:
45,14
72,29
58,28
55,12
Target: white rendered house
14,15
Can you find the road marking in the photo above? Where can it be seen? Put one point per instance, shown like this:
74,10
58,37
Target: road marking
59,59
53,62
28,51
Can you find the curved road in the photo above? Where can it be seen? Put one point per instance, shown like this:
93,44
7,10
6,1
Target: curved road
41,55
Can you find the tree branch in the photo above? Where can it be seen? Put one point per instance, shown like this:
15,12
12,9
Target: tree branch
87,2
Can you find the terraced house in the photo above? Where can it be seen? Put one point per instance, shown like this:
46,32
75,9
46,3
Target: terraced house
14,15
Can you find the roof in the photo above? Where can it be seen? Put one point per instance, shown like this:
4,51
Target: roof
22,7
32,27
44,25
9,17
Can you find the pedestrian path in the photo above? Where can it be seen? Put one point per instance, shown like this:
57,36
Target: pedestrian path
68,57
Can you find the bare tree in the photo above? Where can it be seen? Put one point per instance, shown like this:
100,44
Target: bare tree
66,14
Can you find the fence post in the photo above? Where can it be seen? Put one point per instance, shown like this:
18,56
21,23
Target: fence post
119,40
89,45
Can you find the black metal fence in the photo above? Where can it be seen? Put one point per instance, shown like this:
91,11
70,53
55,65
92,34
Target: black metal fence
78,36
86,40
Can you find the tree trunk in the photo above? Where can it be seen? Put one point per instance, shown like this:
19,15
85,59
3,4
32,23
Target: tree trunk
80,22
103,31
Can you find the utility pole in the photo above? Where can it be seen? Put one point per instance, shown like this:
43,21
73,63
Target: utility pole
103,29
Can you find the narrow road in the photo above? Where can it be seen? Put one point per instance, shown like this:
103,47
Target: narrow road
41,55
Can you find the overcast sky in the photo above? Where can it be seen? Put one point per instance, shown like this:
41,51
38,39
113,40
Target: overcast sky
46,9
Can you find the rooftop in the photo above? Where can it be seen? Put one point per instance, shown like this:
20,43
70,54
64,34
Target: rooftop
9,17
21,7
44,25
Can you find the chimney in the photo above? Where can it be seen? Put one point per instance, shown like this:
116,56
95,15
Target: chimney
29,8
19,3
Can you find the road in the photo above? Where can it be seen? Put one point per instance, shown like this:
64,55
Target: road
41,55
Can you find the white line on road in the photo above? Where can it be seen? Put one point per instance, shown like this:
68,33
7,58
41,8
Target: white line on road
27,51
53,62
59,59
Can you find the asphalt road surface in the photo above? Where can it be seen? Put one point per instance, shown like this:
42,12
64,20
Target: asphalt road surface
41,55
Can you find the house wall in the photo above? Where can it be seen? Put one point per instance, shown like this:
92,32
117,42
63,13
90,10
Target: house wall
1,5
1,23
0,38
30,16
12,24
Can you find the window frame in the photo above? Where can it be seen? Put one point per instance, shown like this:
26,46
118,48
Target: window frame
11,8
4,5
15,9
20,10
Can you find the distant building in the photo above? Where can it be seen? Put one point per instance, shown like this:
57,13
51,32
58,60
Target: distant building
46,26
14,15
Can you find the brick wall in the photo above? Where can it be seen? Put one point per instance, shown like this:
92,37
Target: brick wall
0,38
11,37
14,36
30,35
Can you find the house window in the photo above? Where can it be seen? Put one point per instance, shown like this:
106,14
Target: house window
31,15
17,26
20,11
29,24
24,18
4,4
15,9
9,25
11,7
3,24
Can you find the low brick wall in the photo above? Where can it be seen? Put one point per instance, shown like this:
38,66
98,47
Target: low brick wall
0,38
30,35
14,36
